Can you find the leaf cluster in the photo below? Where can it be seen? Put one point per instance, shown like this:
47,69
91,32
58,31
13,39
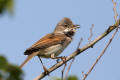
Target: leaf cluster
9,71
6,5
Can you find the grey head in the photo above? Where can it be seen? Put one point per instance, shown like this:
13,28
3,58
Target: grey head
66,26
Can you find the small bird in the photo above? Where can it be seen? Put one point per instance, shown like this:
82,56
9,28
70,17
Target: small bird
51,45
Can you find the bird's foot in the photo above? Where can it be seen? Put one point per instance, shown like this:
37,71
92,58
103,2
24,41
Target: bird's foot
46,70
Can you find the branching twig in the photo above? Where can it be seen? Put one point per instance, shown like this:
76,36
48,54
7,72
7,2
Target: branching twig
68,69
54,67
103,52
99,57
81,39
64,70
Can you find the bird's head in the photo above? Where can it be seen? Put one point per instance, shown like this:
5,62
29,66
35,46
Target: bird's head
65,26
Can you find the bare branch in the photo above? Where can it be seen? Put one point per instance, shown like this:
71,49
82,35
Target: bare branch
103,52
77,52
99,57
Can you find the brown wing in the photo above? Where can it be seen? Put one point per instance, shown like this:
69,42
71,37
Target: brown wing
46,41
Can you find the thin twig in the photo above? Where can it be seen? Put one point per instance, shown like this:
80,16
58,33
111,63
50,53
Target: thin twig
81,39
69,69
91,33
54,67
63,70
115,10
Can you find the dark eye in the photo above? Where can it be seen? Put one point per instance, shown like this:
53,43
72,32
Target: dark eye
66,25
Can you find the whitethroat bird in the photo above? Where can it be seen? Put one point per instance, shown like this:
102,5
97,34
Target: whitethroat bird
51,45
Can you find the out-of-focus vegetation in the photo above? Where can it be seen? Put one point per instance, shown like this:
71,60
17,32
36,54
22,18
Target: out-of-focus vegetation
68,78
9,71
6,5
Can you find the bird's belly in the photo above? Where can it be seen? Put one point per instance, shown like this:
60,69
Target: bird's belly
56,50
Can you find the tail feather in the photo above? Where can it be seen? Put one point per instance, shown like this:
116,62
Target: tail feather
28,58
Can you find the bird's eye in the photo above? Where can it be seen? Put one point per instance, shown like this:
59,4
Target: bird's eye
66,25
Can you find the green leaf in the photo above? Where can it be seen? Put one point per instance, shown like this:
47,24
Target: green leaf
14,72
3,62
6,5
9,6
68,78
55,78
2,5
9,71
72,78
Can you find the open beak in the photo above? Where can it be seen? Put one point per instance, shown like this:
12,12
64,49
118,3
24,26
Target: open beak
76,26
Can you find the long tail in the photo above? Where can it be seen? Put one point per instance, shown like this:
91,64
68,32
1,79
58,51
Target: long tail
28,58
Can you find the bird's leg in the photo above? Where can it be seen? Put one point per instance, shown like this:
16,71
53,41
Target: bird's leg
63,58
45,69
53,57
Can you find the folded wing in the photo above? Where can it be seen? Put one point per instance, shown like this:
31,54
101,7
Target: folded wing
46,41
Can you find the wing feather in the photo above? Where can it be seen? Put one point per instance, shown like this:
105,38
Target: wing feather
46,41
